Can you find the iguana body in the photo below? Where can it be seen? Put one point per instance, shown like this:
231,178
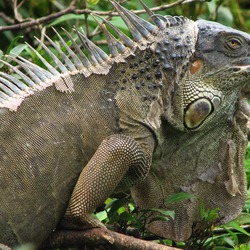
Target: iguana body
161,115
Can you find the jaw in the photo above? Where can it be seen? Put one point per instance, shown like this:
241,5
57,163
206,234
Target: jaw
243,62
242,67
216,93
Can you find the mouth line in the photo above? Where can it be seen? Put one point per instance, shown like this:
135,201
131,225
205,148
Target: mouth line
242,63
242,67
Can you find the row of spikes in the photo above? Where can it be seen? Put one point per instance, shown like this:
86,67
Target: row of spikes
35,78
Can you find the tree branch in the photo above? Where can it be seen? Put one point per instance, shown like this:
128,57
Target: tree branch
100,237
6,18
72,9
37,21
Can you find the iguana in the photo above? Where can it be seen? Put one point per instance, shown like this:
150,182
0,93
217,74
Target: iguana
164,113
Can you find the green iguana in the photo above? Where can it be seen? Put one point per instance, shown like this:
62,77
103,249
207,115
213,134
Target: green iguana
164,113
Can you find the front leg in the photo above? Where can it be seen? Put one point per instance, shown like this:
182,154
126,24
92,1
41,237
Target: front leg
118,161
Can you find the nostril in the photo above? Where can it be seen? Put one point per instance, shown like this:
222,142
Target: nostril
236,69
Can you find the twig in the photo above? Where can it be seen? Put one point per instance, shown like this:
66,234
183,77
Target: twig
16,7
6,18
38,21
99,236
72,9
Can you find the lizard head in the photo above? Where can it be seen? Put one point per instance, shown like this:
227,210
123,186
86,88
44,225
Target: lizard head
218,72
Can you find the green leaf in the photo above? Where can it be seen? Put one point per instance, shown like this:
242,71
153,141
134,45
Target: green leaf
131,207
225,16
1,56
211,7
125,216
233,236
165,213
156,218
179,197
208,215
229,241
121,210
237,227
65,18
13,43
27,246
114,206
111,203
243,247
7,34
222,248
93,2
108,201
18,49
243,218
102,215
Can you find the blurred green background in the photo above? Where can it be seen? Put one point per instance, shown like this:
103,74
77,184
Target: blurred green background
234,13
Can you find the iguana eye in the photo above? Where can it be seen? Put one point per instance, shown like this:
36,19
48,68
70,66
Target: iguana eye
233,43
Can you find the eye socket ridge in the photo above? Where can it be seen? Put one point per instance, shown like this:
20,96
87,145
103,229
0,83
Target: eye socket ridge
233,43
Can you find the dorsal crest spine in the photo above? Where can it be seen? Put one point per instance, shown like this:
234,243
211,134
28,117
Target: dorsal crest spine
32,78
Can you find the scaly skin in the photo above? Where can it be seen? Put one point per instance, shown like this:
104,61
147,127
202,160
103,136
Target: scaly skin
205,155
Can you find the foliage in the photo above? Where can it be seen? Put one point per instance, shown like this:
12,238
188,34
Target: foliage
122,213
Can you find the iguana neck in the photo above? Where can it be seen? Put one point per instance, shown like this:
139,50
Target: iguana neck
138,89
